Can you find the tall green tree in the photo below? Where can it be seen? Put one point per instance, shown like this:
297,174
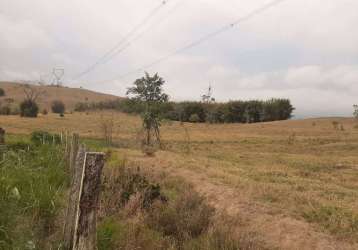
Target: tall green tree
149,90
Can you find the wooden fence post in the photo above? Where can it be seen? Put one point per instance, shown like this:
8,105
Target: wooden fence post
72,206
86,218
2,136
73,153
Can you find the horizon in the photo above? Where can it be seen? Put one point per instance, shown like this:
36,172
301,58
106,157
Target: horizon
294,115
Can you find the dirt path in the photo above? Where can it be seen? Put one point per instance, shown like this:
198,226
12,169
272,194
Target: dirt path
277,231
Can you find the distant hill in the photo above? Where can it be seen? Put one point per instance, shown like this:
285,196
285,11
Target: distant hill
70,96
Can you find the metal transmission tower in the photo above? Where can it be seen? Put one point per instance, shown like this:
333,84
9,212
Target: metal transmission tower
58,74
207,98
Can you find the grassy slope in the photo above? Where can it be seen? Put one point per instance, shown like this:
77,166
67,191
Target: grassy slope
293,182
70,96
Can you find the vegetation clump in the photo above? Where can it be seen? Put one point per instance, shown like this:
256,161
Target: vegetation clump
43,137
29,108
58,107
140,213
2,92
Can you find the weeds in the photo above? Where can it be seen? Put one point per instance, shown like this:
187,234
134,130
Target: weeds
31,187
43,137
148,219
336,220
123,184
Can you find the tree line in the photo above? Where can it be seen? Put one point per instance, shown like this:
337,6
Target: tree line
231,112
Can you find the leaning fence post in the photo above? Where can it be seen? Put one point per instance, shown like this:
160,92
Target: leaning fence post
85,227
70,218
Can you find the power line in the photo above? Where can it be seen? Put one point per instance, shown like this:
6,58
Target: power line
124,39
138,36
201,40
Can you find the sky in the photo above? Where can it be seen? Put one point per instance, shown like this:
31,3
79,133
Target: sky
304,50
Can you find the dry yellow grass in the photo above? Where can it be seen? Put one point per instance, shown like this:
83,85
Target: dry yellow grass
70,96
293,182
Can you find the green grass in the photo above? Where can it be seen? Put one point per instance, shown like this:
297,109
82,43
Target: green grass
32,184
336,220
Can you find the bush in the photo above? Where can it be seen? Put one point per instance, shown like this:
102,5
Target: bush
2,92
58,107
29,108
187,217
44,112
126,183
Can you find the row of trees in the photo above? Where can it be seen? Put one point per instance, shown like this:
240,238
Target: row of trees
230,112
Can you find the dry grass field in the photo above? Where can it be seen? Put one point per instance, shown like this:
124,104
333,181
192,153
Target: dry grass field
70,96
293,183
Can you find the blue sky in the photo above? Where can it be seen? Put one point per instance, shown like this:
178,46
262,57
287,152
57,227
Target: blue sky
305,50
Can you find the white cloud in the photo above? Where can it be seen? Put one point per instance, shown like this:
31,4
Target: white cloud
305,50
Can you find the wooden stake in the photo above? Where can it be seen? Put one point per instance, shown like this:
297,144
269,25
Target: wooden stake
86,219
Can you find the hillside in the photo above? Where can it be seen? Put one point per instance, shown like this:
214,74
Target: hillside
70,96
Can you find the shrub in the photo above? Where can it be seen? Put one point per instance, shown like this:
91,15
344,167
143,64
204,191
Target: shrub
29,108
58,107
44,112
187,217
126,183
194,118
2,92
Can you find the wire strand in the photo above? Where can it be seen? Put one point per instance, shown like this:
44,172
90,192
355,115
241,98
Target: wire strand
200,40
151,14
